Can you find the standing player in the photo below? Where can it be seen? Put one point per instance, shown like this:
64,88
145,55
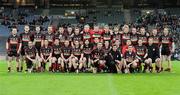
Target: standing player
31,54
98,63
26,36
107,35
167,47
156,37
143,36
134,36
56,57
126,35
86,33
60,34
38,39
95,33
46,55
66,56
153,56
77,36
49,36
13,47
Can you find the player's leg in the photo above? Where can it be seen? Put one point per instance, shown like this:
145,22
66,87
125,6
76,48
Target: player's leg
29,65
75,63
102,65
158,65
61,64
18,65
49,62
119,66
53,64
169,68
9,63
82,63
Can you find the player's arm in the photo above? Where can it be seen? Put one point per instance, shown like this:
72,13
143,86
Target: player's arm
173,47
62,56
7,45
27,56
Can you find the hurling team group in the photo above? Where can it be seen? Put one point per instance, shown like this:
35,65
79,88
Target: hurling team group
90,49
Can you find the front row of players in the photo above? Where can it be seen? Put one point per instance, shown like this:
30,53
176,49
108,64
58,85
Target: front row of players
68,59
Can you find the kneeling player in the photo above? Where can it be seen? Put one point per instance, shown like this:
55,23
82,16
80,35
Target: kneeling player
46,55
31,54
13,46
78,59
98,63
114,60
56,57
130,61
153,56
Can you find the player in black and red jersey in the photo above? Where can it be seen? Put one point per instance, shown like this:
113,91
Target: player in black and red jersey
125,35
87,49
117,34
78,59
107,34
143,35
26,36
46,55
141,54
134,36
86,33
153,56
56,57
156,37
95,33
130,60
13,47
49,35
98,62
31,54
66,55
167,47
38,39
60,34
77,36
70,34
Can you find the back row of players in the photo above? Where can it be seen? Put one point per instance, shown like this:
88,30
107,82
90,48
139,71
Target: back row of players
73,49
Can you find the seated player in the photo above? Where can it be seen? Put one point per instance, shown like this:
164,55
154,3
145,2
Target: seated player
98,62
114,60
130,61
13,47
153,56
87,49
141,52
78,59
46,55
56,57
31,54
66,56
167,48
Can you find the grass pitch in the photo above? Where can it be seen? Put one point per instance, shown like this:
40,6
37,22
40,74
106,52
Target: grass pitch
89,84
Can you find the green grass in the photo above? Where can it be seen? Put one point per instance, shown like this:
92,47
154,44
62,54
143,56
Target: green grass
89,84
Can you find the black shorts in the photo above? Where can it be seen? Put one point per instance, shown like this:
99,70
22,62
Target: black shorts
56,56
29,63
23,50
13,53
166,51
